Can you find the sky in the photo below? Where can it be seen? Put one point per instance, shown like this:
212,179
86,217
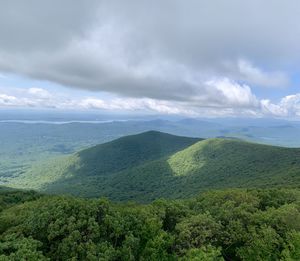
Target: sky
196,58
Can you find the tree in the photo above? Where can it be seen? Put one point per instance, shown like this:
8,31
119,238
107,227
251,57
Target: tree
262,245
19,248
205,253
196,231
291,251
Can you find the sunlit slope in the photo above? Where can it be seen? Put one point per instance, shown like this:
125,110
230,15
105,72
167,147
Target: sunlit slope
129,151
103,160
138,170
212,163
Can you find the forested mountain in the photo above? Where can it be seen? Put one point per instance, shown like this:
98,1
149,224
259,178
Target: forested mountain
152,165
234,225
32,140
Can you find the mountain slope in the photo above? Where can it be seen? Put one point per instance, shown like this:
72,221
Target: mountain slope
104,159
130,151
208,164
152,165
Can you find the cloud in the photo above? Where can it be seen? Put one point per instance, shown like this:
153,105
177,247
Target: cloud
232,94
43,27
288,106
41,98
223,98
244,70
158,50
7,100
259,77
39,93
143,105
270,109
291,103
32,97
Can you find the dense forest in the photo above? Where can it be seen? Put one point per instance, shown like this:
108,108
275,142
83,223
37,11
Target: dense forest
24,144
156,196
153,164
217,225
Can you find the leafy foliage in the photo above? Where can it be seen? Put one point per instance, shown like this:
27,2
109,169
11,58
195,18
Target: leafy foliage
217,225
10,197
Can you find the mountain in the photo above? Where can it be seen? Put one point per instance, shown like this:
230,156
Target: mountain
101,161
151,165
128,152
28,141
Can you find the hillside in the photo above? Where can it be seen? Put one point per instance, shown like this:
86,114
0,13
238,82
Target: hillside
208,164
29,142
152,165
101,161
129,151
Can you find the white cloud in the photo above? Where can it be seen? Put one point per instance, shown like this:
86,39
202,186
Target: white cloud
211,96
271,109
222,97
39,93
292,104
232,94
288,106
131,104
32,97
8,100
248,72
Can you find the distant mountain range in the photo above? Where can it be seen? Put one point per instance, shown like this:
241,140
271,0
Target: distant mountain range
153,164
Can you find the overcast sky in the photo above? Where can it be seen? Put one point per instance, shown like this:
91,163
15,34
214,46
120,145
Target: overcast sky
185,57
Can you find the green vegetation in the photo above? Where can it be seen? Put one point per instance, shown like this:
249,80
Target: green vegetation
22,145
99,163
25,144
217,225
10,197
243,218
151,165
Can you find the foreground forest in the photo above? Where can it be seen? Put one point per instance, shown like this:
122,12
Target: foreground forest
216,225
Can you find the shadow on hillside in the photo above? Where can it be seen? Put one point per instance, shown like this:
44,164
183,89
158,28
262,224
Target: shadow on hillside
227,166
144,183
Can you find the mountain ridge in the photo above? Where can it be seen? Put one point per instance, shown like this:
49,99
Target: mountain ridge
153,164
